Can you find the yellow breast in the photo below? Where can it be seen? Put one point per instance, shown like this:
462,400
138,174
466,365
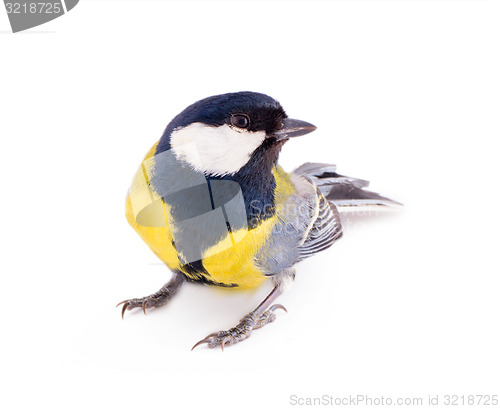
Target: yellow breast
230,262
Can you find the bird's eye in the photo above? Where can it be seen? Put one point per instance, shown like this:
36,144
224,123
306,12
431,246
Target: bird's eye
240,121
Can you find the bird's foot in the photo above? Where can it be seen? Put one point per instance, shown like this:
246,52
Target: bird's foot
146,302
241,331
161,297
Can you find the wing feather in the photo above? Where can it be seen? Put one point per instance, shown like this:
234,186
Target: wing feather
325,229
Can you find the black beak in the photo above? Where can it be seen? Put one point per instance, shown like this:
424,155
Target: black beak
292,128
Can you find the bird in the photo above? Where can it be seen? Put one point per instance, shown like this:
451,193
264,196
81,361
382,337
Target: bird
212,202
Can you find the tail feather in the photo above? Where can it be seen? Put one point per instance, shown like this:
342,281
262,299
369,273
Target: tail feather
342,190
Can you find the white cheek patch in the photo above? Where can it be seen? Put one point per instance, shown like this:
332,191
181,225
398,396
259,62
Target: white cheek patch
216,151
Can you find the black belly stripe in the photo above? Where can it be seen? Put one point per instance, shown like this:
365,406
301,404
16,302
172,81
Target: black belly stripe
196,272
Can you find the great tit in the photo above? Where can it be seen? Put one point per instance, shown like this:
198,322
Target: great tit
212,203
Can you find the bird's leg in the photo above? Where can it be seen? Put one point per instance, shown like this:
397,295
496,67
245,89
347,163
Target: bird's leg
262,315
161,297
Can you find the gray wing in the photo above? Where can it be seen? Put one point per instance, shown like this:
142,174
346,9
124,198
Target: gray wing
307,224
325,230
310,221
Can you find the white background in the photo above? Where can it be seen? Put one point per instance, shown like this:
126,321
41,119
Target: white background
404,93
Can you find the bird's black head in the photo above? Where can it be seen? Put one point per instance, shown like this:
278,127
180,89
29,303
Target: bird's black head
219,135
247,110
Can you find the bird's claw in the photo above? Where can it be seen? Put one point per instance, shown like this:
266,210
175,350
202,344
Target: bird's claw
206,340
241,331
134,303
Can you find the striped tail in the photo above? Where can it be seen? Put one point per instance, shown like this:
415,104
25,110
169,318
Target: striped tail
342,190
